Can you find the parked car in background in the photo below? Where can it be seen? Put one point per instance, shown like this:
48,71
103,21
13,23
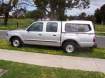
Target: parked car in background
70,35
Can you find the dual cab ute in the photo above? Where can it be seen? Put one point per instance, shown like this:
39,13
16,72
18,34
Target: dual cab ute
69,35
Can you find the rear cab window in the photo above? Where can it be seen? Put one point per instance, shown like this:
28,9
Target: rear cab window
72,27
52,27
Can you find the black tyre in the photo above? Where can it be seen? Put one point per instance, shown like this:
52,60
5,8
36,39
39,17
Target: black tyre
69,47
16,42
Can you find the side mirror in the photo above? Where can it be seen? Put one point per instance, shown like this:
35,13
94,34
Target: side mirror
27,30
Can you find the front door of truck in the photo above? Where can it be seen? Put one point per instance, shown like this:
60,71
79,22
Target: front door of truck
34,33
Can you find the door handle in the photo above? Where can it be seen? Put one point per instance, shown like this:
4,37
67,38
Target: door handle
54,35
40,34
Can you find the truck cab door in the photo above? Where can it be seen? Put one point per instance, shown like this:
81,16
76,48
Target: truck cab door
52,33
34,33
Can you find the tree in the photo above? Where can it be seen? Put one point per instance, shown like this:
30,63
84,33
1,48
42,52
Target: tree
82,16
97,16
36,14
5,8
56,8
102,12
90,18
100,15
19,13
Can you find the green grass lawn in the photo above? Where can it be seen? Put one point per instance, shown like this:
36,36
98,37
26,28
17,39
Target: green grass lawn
100,28
95,53
12,24
18,70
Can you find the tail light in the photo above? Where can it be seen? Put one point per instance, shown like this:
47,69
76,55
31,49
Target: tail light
94,39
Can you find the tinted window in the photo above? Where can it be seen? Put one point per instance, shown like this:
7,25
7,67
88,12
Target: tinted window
36,27
51,27
77,27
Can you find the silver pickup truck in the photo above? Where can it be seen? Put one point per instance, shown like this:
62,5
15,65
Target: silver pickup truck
69,35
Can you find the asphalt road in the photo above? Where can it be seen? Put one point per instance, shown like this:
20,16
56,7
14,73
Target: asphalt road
99,39
3,34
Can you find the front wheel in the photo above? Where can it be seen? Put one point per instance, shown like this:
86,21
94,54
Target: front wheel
69,47
16,42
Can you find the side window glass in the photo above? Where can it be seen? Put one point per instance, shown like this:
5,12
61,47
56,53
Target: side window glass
77,27
71,28
36,27
51,27
84,28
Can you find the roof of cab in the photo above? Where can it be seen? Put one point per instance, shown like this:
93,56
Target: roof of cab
80,21
72,21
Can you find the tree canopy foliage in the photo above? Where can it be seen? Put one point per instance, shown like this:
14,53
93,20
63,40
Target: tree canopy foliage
55,9
5,8
100,15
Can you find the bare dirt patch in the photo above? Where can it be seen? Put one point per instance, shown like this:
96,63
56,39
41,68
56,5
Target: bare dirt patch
2,72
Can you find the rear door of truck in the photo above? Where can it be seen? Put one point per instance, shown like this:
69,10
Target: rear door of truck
52,33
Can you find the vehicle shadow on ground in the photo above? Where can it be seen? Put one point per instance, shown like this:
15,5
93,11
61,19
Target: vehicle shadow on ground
59,51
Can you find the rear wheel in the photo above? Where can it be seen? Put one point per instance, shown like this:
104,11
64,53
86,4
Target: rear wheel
16,42
69,47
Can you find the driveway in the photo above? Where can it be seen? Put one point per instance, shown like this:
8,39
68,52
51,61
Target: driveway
67,62
3,34
99,39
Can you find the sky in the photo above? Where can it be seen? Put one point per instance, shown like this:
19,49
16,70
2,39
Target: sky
94,4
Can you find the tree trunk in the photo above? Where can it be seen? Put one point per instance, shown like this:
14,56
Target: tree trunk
6,18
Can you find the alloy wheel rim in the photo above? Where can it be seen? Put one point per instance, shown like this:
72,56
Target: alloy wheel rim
16,43
70,48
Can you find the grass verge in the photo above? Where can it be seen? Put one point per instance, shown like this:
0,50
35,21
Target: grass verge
18,70
95,53
100,29
12,24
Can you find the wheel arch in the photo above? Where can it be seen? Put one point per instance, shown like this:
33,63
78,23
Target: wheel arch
15,37
70,40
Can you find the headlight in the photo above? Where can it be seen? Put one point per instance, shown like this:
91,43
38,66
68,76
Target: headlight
6,34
